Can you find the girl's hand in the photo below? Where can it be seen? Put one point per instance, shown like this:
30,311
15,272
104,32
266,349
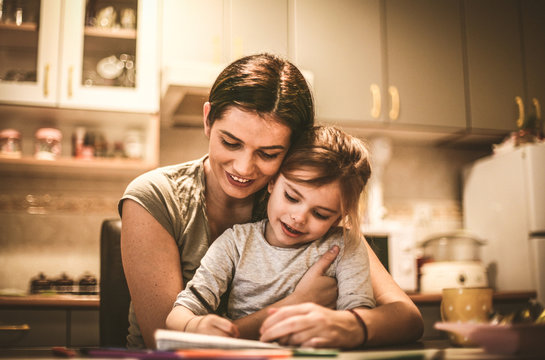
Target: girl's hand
316,287
311,325
212,325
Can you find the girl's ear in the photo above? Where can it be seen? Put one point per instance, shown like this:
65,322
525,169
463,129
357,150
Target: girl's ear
205,112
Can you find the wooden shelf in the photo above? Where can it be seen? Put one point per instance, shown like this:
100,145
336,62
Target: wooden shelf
116,33
99,167
27,26
50,301
503,296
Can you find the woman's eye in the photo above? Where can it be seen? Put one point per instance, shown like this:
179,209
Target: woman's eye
289,198
268,156
229,144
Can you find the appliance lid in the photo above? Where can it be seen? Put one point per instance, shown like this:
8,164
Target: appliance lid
185,88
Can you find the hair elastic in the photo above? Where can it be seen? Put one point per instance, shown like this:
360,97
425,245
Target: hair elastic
363,325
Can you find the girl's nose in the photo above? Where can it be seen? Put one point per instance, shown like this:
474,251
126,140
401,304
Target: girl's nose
298,217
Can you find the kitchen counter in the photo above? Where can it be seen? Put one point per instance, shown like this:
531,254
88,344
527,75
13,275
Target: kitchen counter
93,301
64,301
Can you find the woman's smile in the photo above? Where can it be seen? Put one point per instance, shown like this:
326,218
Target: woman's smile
238,181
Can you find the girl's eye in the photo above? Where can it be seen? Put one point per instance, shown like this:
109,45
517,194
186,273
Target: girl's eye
230,144
267,156
290,198
320,216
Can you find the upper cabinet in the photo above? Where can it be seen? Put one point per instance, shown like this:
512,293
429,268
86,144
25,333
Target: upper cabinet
506,62
533,27
100,55
339,42
232,29
391,62
495,64
424,56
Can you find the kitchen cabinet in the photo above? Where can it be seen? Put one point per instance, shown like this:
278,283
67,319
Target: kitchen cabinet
74,66
390,61
495,64
233,28
340,43
533,28
77,56
53,327
424,56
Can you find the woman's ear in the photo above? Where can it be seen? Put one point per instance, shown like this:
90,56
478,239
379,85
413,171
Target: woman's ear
205,112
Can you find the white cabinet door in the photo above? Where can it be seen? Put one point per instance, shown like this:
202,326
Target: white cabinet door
84,47
35,49
425,63
192,31
255,26
339,42
495,63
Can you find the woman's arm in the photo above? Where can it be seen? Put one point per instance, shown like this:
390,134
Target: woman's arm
314,286
395,320
151,262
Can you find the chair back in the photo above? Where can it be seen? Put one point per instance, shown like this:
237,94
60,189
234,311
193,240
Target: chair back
114,292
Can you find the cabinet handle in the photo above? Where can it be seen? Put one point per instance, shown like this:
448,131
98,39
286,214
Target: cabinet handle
538,108
394,94
46,80
375,92
520,104
70,74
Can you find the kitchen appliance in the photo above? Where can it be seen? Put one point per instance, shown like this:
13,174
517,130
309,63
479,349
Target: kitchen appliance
504,202
452,260
394,245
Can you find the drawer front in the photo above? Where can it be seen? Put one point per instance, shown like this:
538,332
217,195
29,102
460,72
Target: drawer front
47,328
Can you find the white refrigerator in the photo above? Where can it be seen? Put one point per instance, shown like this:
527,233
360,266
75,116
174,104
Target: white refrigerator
504,203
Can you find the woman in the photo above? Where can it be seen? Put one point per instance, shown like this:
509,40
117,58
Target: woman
257,107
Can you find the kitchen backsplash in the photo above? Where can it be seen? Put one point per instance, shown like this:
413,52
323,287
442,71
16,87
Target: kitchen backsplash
52,225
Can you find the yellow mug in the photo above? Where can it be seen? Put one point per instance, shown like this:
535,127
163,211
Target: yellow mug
473,305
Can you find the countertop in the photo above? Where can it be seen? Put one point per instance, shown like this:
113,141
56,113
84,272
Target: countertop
93,301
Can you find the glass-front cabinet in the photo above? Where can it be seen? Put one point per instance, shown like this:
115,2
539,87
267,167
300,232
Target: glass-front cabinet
93,54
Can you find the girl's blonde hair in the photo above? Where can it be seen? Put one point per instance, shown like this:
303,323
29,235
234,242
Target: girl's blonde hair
333,155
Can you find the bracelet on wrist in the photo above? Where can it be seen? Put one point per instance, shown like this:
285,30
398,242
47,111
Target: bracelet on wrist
363,326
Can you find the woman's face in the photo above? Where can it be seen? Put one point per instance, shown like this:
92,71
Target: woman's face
301,213
245,150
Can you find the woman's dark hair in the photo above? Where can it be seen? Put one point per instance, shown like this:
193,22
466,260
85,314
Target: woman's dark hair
267,85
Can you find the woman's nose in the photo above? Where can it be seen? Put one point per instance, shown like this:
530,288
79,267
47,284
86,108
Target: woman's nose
244,164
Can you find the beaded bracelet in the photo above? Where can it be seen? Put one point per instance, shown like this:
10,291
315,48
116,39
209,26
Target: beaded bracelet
363,325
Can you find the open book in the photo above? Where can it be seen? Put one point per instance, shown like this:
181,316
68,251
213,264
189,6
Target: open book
175,340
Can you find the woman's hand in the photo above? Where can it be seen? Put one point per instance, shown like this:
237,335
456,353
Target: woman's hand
316,287
311,325
212,325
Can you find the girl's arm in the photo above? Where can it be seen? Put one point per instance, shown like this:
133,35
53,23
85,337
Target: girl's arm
182,319
395,320
152,268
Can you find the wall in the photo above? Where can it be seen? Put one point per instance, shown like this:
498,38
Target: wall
53,224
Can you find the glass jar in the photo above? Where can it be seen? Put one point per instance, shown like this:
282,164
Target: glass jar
48,144
10,143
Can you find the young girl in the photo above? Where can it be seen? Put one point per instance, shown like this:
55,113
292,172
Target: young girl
256,264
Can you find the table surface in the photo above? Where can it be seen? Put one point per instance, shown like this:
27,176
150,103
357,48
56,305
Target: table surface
428,350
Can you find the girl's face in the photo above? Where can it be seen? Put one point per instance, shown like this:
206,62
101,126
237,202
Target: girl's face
245,150
300,213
